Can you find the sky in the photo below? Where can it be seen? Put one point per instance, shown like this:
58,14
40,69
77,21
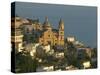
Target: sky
79,21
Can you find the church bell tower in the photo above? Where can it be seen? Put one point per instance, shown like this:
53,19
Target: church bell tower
61,32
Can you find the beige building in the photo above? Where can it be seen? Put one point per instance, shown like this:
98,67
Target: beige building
16,22
52,36
17,39
16,33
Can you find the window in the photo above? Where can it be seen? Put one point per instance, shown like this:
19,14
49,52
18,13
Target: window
27,30
48,35
41,40
55,43
61,32
61,37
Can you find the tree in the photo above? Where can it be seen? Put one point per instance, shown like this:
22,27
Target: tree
25,63
94,58
71,54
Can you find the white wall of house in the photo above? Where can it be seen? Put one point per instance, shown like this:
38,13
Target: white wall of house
20,47
59,54
33,51
46,48
44,68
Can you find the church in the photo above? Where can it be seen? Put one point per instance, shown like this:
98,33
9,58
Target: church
49,35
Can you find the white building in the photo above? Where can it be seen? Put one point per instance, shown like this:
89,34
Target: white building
71,39
46,48
59,54
86,64
31,48
45,68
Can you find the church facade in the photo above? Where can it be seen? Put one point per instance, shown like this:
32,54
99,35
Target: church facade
50,35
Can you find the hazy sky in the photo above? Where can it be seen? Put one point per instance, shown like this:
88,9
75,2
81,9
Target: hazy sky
80,21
